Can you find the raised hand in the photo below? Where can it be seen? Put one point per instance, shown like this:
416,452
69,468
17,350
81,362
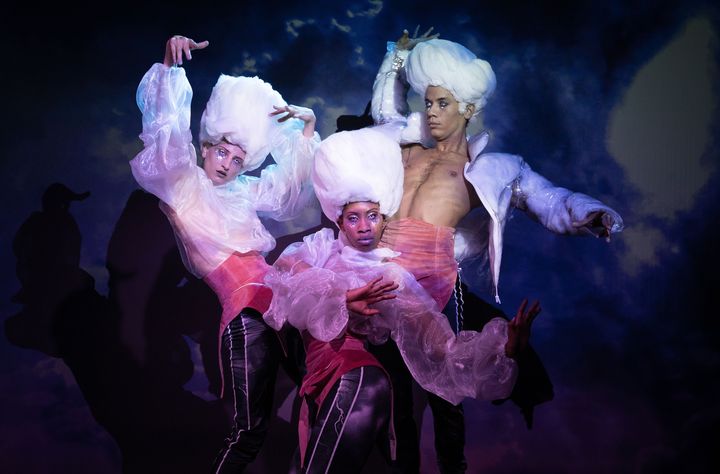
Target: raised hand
405,42
519,328
294,111
360,299
177,46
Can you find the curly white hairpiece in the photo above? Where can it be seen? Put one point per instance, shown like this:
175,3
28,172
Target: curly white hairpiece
238,112
453,67
358,165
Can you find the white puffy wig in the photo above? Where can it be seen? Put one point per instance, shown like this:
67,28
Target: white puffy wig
238,112
358,165
453,67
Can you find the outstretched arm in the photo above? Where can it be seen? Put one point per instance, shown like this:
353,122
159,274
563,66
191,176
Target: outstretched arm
561,210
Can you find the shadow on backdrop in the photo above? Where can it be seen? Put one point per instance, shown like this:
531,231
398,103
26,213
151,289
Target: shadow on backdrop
144,356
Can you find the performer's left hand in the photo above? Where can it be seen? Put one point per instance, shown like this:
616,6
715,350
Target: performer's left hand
519,328
295,111
597,224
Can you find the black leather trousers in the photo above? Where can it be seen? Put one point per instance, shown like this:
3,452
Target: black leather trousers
251,354
354,415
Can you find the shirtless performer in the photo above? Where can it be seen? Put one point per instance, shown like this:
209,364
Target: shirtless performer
446,177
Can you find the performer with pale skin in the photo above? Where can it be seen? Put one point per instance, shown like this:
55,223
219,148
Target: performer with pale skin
215,212
345,293
446,177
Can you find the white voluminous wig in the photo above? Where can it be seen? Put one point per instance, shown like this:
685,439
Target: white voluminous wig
358,165
453,67
238,112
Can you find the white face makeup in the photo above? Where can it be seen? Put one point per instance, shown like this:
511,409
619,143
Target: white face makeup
362,224
222,162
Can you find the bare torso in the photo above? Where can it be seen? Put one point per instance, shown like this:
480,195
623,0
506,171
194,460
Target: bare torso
435,189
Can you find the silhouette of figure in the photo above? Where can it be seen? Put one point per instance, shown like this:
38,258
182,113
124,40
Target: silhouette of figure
47,252
136,395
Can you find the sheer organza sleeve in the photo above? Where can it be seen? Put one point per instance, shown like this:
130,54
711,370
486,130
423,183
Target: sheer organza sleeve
167,163
305,295
211,222
470,364
284,190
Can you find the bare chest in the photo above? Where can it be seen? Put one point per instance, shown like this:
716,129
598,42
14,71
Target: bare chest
433,171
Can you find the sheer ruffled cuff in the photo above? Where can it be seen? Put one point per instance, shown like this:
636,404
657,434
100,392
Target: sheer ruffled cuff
313,300
164,96
284,188
471,364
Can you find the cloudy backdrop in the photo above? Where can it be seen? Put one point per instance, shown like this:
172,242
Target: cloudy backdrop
106,356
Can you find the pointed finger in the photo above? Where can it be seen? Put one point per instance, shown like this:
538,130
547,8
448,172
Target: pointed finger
201,45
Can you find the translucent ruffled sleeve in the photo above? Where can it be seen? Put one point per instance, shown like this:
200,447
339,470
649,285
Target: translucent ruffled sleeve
210,222
470,364
167,163
284,190
306,295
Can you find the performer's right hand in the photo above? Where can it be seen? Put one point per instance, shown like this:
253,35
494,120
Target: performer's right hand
360,299
405,42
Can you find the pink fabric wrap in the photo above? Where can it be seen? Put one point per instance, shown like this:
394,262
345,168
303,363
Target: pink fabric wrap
239,283
428,252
